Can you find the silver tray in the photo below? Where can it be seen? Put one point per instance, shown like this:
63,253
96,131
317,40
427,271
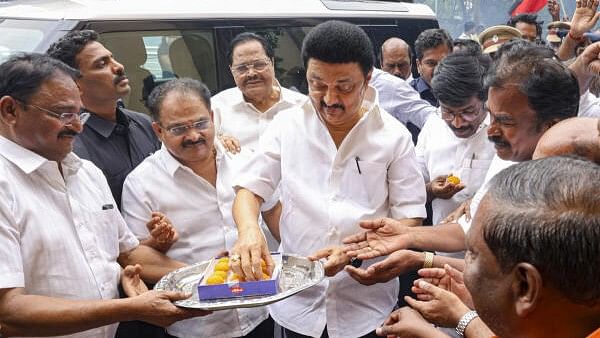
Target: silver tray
297,274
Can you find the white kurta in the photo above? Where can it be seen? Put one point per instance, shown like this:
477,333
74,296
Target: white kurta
325,192
202,215
440,152
59,237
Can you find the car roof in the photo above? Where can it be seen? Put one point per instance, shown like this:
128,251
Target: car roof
214,9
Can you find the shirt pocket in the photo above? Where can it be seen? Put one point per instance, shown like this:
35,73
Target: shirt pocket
103,225
365,183
472,173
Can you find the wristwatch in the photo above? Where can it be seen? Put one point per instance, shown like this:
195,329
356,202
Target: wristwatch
464,322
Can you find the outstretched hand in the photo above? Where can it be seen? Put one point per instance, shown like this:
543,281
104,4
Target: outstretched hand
383,236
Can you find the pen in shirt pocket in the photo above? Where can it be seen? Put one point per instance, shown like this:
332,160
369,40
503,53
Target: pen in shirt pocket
107,207
358,165
471,162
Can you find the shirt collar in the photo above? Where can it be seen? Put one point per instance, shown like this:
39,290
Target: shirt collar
29,161
370,103
172,164
421,85
238,97
102,126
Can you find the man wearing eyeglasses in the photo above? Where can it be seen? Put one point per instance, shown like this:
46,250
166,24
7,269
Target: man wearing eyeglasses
115,139
62,240
190,181
246,110
339,159
456,144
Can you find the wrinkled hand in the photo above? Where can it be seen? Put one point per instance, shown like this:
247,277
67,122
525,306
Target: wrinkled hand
585,17
554,9
336,259
161,229
440,188
251,247
230,143
406,322
156,307
383,236
399,262
463,209
131,282
444,309
448,278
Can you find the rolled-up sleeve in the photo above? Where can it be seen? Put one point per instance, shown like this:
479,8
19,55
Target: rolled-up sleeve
262,173
11,264
407,194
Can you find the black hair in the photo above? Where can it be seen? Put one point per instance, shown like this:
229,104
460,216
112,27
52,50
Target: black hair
545,213
23,74
432,38
551,88
247,37
184,86
531,19
67,47
467,46
339,42
459,77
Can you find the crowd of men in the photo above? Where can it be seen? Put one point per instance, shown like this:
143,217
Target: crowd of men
499,138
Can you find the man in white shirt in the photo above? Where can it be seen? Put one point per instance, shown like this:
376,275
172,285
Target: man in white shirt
528,94
60,232
339,159
246,110
457,142
190,181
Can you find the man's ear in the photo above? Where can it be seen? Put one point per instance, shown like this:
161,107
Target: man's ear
418,66
157,130
8,109
527,288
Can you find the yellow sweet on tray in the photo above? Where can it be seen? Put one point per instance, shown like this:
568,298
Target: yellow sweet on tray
215,279
222,266
453,179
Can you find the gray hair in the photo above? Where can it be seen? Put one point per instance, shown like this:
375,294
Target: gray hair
547,213
184,86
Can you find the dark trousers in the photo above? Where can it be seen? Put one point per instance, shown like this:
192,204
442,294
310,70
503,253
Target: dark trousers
292,334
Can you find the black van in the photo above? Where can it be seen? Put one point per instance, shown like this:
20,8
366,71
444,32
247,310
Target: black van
159,40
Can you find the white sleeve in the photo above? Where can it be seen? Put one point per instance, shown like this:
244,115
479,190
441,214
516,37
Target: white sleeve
407,194
397,97
262,173
11,264
136,207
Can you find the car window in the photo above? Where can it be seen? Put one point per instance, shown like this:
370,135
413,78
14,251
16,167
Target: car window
21,36
154,57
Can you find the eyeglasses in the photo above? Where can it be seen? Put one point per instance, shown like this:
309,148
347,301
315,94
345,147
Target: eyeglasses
467,115
64,118
181,130
258,65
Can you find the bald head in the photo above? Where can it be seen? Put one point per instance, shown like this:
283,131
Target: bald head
578,136
395,57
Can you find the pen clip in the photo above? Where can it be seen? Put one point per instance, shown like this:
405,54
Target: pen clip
357,165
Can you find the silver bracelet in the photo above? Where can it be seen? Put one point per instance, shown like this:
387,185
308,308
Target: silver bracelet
464,322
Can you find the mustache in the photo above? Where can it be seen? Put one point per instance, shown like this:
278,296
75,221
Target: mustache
459,129
119,78
188,143
498,140
333,106
68,132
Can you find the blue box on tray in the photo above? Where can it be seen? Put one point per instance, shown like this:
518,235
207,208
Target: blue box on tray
240,289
